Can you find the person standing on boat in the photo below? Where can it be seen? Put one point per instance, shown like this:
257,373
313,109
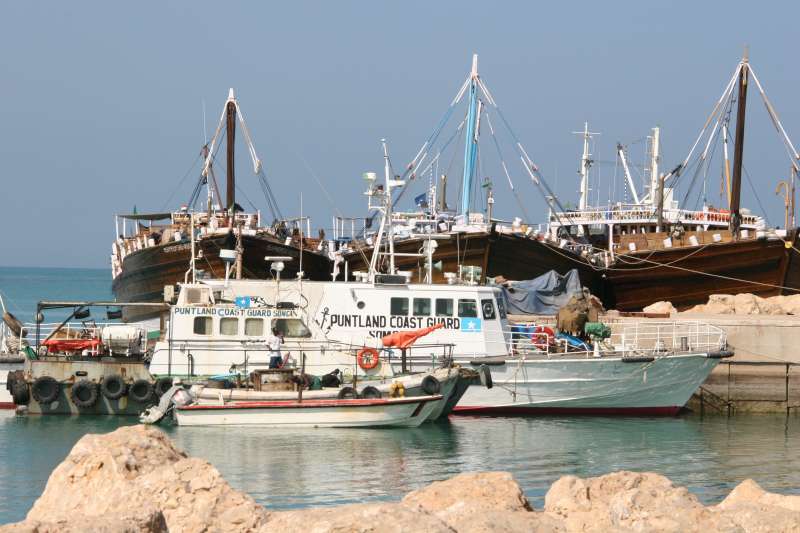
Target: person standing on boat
274,342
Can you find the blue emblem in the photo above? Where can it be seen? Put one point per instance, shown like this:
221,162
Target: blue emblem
471,325
243,302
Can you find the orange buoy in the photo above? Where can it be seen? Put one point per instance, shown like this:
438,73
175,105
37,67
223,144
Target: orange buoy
367,358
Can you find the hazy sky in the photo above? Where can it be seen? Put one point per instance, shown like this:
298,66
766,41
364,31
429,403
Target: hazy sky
102,101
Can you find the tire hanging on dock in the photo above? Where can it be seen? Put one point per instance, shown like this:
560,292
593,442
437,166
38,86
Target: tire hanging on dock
45,389
84,393
113,387
141,391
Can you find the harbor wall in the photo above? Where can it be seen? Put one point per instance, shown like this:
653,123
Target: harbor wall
764,373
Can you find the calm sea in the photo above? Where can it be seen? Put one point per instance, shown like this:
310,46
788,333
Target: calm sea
298,468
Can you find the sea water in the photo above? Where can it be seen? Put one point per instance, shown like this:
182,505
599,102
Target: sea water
285,469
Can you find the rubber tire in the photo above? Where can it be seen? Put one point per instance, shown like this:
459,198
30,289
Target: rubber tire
45,389
141,391
84,393
431,385
370,392
113,387
162,385
347,392
20,393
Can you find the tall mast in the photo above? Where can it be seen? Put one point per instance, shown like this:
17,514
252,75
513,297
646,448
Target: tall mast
655,157
230,112
738,148
586,163
471,139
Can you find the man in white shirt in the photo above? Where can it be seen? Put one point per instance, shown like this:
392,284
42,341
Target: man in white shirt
274,342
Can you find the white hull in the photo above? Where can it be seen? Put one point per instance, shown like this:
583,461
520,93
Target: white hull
606,385
405,412
412,384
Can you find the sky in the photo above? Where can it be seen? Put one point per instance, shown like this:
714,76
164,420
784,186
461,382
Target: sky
103,101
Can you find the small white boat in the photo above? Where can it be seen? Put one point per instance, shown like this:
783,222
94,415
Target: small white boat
379,412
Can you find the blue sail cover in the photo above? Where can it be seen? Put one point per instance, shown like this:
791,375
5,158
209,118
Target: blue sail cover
544,295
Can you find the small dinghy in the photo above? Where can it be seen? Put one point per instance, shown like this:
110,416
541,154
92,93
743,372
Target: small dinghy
358,412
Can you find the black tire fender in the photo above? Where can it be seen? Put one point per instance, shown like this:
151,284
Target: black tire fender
45,389
162,385
370,392
113,387
20,393
431,385
141,391
347,392
84,393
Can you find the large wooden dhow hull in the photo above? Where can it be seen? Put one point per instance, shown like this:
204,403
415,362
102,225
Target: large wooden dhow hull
145,272
687,276
498,254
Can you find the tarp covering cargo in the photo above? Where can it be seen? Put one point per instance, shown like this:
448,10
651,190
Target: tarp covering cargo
544,295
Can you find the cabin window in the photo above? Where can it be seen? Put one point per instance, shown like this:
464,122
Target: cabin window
228,326
444,307
202,325
291,327
254,327
487,306
468,309
399,306
501,307
422,307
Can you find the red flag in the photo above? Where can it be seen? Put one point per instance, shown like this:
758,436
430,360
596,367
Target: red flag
404,339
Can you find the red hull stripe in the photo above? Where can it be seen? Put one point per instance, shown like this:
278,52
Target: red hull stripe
7,405
597,411
293,404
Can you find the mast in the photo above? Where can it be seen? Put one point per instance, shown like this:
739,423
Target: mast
586,162
738,148
230,128
471,139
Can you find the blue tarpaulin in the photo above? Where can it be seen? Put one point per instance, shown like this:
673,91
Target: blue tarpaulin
544,295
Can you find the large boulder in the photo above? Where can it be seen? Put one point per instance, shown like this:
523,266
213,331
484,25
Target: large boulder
751,508
136,469
746,304
624,501
660,308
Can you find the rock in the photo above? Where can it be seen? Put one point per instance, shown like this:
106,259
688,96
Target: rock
791,304
138,467
624,501
145,521
661,308
751,508
746,304
355,518
720,304
483,501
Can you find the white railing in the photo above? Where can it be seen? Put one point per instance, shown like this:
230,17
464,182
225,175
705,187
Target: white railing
631,214
638,338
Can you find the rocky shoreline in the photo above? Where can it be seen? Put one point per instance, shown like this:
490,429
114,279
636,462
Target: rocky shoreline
135,479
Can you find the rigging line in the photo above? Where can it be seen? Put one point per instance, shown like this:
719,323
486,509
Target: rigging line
755,193
191,168
793,155
505,168
332,204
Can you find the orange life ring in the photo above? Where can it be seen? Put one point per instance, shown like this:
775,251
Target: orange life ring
367,358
